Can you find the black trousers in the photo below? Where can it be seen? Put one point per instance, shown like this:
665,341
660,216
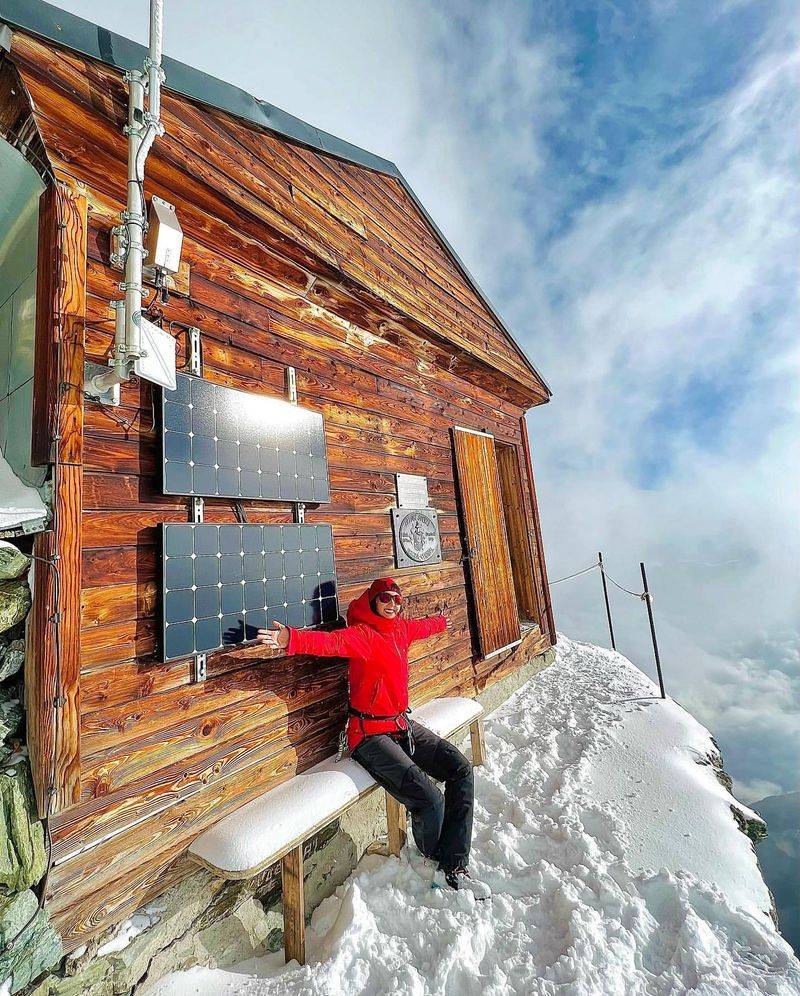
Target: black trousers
442,825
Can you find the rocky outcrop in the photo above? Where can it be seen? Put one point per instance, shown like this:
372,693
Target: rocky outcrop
12,657
13,562
22,852
749,823
29,945
15,601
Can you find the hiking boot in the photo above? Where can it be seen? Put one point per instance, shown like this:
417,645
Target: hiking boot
460,879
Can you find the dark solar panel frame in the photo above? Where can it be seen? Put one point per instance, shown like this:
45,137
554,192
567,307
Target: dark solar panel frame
218,442
223,582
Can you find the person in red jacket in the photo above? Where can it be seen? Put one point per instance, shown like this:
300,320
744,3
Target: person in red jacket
401,754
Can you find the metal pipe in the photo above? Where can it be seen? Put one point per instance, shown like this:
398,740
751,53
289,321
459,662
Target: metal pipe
142,129
154,59
649,602
134,214
118,372
608,605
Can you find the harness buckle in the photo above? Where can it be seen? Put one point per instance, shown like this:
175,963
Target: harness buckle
342,744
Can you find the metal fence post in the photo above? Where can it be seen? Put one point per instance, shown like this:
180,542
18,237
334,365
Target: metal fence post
608,605
649,604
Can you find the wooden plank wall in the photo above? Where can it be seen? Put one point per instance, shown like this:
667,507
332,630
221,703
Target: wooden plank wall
298,259
52,679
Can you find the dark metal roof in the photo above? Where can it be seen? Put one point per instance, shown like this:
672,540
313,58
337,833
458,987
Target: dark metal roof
73,32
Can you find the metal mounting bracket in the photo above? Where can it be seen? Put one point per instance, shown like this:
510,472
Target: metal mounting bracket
299,512
199,669
195,365
108,397
291,385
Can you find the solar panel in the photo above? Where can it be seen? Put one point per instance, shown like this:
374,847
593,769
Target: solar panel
222,583
219,442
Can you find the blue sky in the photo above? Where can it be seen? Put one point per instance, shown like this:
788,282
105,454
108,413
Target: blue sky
622,178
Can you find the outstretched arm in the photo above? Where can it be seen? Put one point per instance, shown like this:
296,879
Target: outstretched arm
419,629
346,642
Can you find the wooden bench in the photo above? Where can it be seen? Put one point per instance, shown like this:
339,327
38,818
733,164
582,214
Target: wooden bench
276,825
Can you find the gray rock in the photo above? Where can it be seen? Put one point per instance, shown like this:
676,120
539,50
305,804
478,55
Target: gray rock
12,657
37,947
94,980
15,911
13,562
174,913
755,829
10,713
15,601
22,852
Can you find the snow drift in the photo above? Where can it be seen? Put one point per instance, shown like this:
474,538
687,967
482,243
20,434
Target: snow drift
612,851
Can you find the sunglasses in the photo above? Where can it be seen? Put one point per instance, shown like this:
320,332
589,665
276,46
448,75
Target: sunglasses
390,596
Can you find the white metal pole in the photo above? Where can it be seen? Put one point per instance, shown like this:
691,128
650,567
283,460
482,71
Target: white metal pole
142,129
134,215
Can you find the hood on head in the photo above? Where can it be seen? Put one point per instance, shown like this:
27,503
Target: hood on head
360,610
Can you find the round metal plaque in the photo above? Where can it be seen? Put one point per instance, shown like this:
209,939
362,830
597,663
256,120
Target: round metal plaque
417,537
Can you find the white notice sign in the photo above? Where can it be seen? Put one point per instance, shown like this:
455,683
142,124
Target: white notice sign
412,491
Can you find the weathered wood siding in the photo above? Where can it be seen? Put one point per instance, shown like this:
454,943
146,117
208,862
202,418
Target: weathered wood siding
295,258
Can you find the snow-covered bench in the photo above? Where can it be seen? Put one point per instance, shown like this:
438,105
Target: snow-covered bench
276,825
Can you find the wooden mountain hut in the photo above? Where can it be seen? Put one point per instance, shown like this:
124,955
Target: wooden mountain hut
304,261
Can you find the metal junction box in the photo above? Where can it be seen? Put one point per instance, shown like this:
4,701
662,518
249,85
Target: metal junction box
164,239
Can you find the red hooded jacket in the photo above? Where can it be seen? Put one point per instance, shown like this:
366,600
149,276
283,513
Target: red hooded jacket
377,652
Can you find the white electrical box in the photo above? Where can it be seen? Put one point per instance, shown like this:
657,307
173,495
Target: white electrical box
164,239
158,360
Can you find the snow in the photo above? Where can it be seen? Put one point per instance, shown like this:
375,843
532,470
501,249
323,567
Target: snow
141,921
590,785
19,503
253,835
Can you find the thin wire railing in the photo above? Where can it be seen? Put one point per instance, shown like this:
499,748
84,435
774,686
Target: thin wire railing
644,595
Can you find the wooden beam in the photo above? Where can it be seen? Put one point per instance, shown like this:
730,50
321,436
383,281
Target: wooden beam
52,659
476,739
294,907
397,824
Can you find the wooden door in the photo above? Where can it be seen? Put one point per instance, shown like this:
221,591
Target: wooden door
484,522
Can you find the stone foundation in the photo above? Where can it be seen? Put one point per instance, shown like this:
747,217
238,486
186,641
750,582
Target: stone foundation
28,943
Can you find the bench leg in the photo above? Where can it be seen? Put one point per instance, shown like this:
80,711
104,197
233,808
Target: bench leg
294,911
397,824
476,737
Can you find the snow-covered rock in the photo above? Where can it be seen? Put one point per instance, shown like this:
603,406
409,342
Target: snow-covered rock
616,865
